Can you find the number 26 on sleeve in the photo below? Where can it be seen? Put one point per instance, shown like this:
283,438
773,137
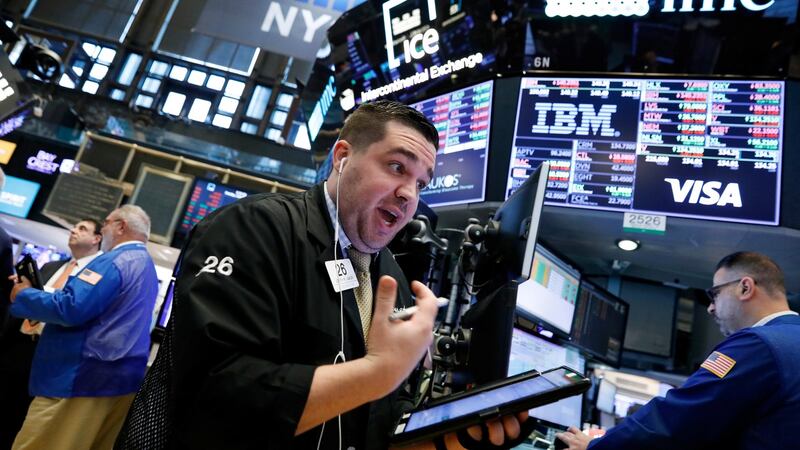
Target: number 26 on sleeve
213,264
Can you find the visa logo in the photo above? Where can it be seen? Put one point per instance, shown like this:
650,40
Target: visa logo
565,119
709,190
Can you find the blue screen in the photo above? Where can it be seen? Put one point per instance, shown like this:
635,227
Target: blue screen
462,118
529,352
17,196
681,147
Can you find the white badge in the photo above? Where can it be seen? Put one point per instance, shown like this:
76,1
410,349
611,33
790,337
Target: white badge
342,274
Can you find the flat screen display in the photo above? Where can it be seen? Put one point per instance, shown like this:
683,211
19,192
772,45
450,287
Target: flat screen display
17,196
42,255
706,149
462,119
600,322
551,291
529,352
206,196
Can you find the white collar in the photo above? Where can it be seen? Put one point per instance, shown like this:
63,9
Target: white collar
87,259
126,243
764,320
344,241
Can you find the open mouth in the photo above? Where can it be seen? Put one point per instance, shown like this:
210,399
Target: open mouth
389,218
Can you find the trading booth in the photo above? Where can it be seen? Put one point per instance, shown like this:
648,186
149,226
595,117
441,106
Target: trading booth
653,108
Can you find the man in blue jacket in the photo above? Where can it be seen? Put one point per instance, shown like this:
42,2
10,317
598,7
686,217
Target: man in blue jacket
746,395
92,355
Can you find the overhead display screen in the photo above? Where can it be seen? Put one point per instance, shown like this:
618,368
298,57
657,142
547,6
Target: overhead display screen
207,196
462,118
707,149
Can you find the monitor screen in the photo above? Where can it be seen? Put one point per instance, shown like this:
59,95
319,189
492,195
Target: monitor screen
707,149
529,352
551,291
206,196
17,196
606,395
600,322
462,118
42,255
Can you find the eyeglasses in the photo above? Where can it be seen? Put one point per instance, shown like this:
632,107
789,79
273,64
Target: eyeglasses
714,291
107,221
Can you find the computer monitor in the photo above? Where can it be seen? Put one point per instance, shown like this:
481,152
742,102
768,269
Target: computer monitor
463,119
606,396
694,148
530,352
205,197
511,234
551,291
600,322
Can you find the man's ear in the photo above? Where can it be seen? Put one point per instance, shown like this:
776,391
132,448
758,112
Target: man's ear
747,288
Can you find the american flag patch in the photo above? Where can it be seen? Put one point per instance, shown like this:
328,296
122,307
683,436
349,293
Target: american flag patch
718,364
90,277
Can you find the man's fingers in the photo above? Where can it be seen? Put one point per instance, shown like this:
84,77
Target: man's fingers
425,297
574,430
511,427
475,432
496,434
385,297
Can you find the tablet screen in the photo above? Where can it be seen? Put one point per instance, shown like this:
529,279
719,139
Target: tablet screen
478,402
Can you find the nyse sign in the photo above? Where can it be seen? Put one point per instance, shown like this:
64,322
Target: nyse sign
288,27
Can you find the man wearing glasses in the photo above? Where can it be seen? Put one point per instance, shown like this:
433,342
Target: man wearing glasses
92,355
746,395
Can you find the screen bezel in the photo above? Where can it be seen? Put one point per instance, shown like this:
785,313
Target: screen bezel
524,313
593,354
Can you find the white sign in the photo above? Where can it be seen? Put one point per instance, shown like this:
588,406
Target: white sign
419,45
576,8
644,223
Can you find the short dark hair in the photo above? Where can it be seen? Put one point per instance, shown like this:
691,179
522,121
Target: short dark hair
762,268
367,124
96,223
97,232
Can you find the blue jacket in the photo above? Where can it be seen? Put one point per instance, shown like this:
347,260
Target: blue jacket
97,339
756,405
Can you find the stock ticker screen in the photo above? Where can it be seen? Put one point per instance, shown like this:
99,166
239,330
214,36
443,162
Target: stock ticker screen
462,119
206,197
708,149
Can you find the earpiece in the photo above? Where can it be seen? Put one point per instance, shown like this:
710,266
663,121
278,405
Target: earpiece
341,163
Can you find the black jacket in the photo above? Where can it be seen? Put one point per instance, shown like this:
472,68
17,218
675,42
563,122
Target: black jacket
247,340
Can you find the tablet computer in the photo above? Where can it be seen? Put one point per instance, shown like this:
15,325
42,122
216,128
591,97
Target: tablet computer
518,393
27,268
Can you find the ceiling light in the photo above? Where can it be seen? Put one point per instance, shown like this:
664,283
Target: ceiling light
628,245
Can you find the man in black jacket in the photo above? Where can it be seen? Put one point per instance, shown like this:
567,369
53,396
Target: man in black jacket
269,344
